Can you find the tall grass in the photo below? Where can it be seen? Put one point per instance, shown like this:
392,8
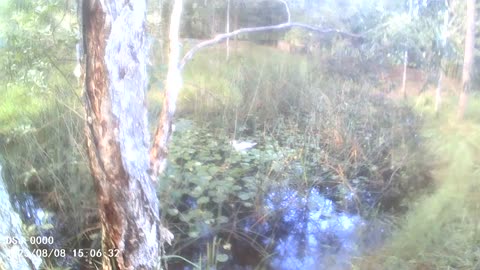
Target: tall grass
442,230
257,83
42,149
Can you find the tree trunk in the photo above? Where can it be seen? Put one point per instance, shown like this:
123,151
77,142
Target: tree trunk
468,58
404,78
227,29
405,57
441,70
117,132
173,84
236,12
438,92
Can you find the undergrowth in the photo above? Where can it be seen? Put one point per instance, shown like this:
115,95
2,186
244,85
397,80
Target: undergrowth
313,128
442,230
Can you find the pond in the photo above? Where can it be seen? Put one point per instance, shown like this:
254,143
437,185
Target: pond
290,229
41,224
294,229
317,235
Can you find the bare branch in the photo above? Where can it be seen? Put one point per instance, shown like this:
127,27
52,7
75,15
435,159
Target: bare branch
282,26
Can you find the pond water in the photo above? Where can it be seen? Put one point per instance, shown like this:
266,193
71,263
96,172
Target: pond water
30,210
296,229
316,234
43,224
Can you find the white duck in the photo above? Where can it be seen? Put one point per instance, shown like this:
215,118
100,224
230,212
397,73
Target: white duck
242,146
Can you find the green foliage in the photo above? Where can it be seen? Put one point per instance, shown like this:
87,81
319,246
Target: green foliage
14,120
204,19
253,75
34,39
441,230
208,185
389,29
208,174
199,14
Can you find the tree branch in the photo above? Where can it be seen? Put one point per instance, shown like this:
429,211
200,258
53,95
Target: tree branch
282,26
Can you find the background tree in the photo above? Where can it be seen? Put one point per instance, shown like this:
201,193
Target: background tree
469,57
444,38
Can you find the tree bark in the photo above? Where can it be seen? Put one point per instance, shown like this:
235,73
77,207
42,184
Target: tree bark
117,132
468,58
